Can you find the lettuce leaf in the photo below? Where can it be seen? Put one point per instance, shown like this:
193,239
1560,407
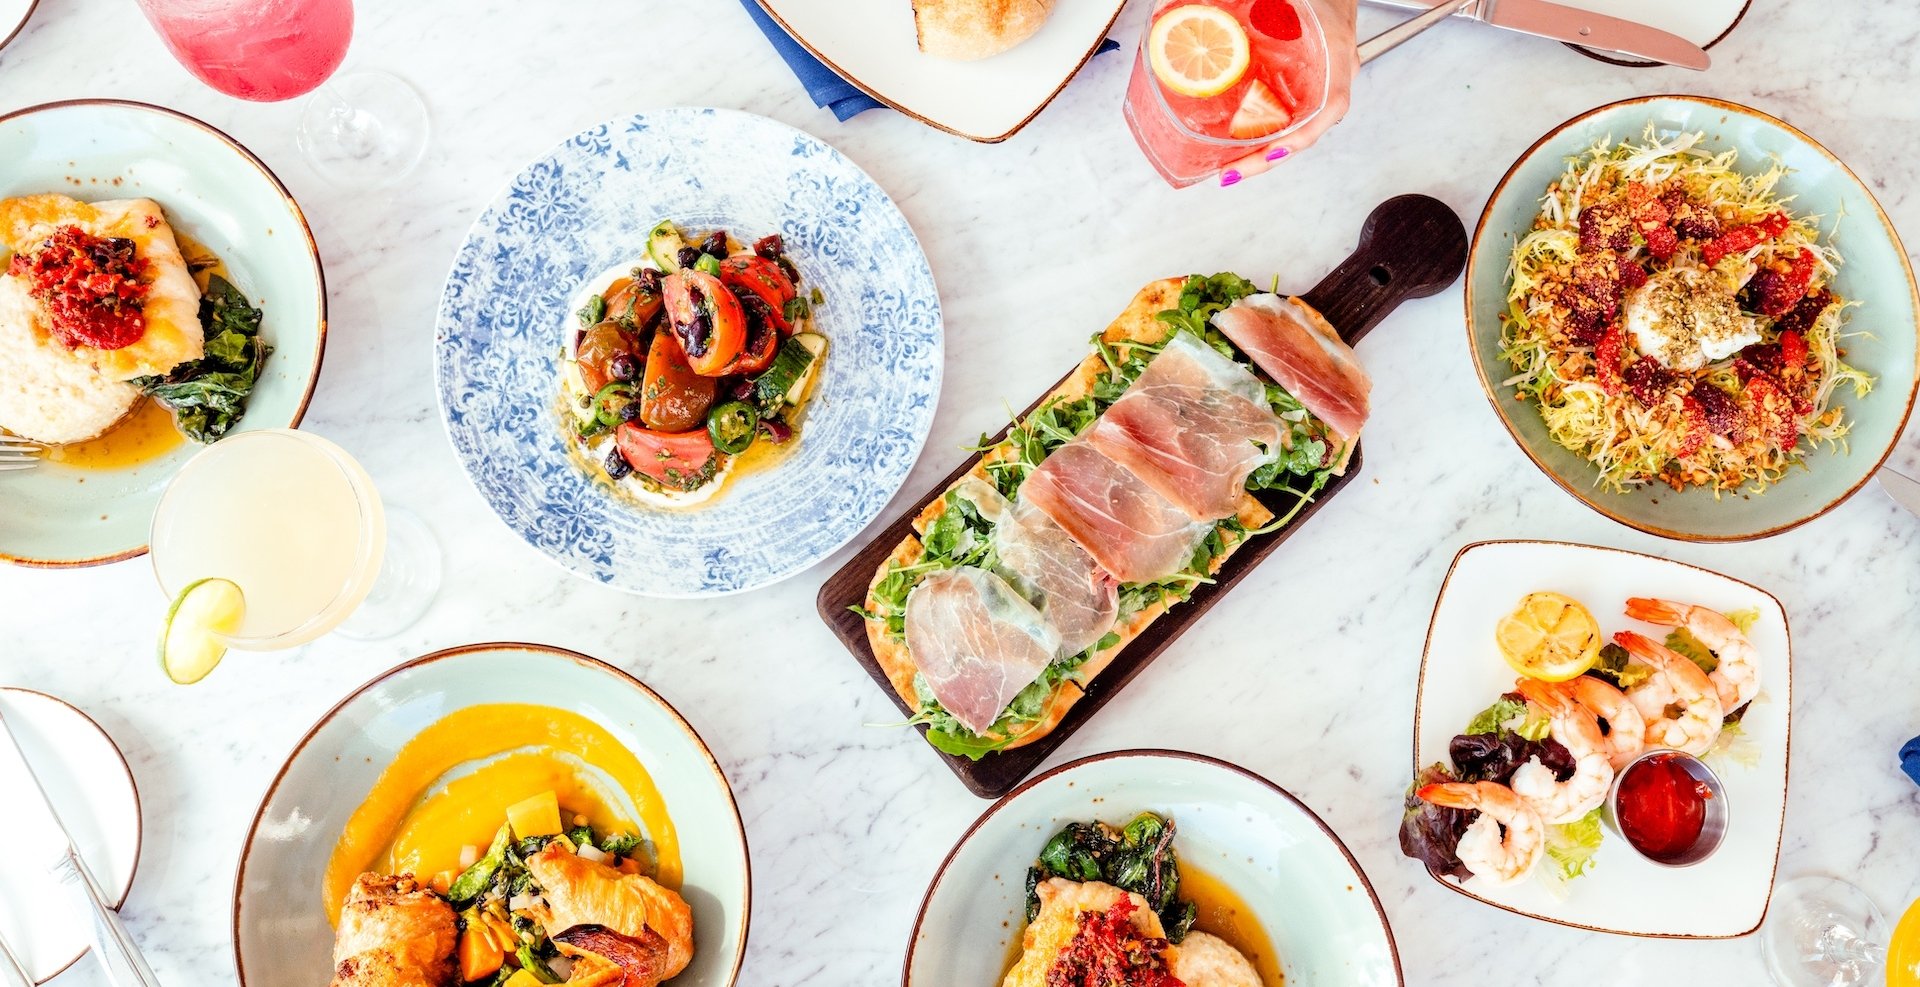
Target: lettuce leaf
1619,668
1570,849
1509,715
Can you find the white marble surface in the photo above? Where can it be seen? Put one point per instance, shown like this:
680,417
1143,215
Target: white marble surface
1035,243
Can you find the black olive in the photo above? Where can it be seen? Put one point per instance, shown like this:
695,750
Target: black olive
617,465
629,411
623,367
715,244
687,257
647,279
770,246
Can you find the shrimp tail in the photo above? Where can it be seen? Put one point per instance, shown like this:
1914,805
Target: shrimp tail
1548,697
1644,647
1663,612
1452,795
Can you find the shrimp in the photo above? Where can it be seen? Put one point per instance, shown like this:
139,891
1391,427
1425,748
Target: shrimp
1675,682
1626,728
1576,728
1504,843
1737,676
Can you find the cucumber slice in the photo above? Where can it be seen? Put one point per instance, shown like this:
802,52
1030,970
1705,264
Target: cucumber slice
788,373
816,345
663,245
191,643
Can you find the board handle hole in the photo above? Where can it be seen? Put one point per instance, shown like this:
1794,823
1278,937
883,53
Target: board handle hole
1380,275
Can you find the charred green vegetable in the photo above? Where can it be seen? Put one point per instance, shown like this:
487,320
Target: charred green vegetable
207,396
1138,857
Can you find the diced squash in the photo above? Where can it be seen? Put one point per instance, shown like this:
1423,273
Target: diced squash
628,865
479,956
537,816
443,881
522,978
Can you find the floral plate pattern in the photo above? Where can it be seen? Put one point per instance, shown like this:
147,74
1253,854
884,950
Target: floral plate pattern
585,207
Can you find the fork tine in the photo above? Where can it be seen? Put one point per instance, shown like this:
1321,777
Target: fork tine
10,467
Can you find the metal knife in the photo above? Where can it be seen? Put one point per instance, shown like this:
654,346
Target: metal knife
1572,25
32,830
1904,490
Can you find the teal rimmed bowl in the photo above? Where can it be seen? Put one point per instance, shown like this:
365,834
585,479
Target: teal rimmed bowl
1875,273
215,191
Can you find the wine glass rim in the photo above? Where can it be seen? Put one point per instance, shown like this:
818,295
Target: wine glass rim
1154,10
366,502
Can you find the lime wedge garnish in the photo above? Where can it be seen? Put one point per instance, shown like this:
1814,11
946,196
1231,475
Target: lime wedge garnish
191,643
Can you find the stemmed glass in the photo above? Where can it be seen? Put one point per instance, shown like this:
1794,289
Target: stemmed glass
1825,932
296,524
361,130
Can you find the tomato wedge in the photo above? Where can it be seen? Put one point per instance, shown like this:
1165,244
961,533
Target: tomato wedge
597,351
763,339
763,279
707,319
626,299
672,397
680,460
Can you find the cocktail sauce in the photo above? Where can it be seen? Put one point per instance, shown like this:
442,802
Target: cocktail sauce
1661,808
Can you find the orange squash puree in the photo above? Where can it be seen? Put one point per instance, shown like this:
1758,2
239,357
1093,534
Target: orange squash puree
404,827
1222,912
146,434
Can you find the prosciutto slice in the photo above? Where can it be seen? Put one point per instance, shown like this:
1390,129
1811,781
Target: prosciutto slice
1303,354
1192,427
1134,533
977,643
1074,595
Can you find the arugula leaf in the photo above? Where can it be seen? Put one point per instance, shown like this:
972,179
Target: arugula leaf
207,396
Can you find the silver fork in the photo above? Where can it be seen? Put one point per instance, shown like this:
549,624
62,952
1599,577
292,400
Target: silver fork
18,454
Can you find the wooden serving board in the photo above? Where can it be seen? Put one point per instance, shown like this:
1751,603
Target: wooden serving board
1411,246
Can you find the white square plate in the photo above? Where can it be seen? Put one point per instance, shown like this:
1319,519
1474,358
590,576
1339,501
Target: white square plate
1460,674
871,43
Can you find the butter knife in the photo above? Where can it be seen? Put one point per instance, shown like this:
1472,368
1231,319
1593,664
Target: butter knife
1904,490
1545,19
32,830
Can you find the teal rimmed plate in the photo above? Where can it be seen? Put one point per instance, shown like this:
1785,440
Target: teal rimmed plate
214,191
281,933
1875,273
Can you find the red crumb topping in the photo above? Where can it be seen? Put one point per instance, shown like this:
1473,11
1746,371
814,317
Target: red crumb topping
1108,951
92,286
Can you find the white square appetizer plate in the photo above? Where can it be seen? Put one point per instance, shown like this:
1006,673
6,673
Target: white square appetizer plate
872,44
1461,673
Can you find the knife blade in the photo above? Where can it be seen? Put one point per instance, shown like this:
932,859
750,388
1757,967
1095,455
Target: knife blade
29,824
1560,22
1904,490
1572,25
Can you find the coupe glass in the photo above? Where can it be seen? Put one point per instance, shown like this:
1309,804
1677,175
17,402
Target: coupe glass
297,524
1823,932
361,130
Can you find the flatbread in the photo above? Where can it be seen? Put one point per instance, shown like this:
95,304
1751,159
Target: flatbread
966,30
1137,322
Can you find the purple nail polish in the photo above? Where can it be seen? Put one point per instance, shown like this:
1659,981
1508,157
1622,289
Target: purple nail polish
1276,154
1229,177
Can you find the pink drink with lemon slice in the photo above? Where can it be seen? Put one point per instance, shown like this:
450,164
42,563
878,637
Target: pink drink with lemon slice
1216,80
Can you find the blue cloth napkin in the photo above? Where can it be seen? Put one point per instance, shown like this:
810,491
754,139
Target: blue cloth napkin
1910,759
823,84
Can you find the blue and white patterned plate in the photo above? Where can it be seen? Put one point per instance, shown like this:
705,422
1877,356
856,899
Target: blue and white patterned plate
585,207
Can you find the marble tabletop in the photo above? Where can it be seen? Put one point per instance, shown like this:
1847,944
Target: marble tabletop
1307,679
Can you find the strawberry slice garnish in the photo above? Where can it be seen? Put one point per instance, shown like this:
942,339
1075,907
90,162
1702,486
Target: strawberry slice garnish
1260,113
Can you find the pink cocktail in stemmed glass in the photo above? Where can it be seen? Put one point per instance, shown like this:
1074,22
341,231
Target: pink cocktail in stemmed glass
1190,136
363,130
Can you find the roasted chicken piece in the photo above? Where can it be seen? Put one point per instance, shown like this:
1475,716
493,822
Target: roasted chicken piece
606,918
393,933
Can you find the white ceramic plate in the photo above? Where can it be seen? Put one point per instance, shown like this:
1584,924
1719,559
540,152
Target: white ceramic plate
92,789
13,18
1304,888
281,934
1461,674
1703,22
871,43
213,190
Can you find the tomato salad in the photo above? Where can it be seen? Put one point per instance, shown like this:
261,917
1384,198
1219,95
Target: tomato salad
697,356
